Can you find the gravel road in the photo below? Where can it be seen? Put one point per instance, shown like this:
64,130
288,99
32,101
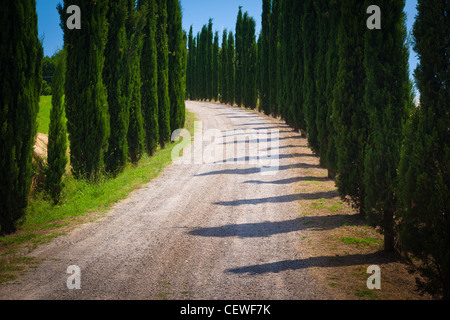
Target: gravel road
198,231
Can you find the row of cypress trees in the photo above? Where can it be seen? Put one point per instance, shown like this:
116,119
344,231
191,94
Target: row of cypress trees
120,81
227,73
125,82
346,88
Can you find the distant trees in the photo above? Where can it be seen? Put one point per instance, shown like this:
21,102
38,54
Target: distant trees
21,77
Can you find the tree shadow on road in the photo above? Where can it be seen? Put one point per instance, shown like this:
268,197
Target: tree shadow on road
280,199
269,228
376,258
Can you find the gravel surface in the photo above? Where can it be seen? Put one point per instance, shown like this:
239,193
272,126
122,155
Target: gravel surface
198,231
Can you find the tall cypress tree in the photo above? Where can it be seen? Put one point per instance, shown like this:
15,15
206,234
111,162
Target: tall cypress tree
349,114
274,44
149,76
250,95
281,55
57,141
209,60
224,77
21,77
265,67
177,51
215,72
295,94
85,93
424,174
320,74
134,29
309,31
230,68
239,54
163,74
114,79
332,63
190,65
388,102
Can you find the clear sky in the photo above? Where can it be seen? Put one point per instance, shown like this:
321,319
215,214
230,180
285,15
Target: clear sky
195,13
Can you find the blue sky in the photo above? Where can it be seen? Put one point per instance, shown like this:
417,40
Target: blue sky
195,13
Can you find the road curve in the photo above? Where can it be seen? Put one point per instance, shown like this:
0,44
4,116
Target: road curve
199,231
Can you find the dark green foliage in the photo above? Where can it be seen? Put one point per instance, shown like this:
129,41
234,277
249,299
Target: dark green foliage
190,65
215,71
230,69
177,52
349,114
424,174
310,55
209,61
224,59
134,28
274,43
57,141
85,94
388,103
21,75
249,60
332,63
48,69
238,56
163,74
295,104
264,97
320,74
114,79
149,77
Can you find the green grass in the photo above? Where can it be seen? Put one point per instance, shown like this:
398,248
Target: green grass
43,117
45,105
43,221
367,241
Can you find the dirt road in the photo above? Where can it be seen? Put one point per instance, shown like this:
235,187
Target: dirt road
199,231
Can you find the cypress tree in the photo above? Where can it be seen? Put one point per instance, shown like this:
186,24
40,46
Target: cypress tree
239,54
309,31
190,65
85,94
230,69
322,13
215,72
265,71
209,61
332,63
177,51
424,174
57,141
113,77
250,96
274,44
21,75
134,30
163,74
349,114
149,76
281,55
388,102
295,94
224,78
